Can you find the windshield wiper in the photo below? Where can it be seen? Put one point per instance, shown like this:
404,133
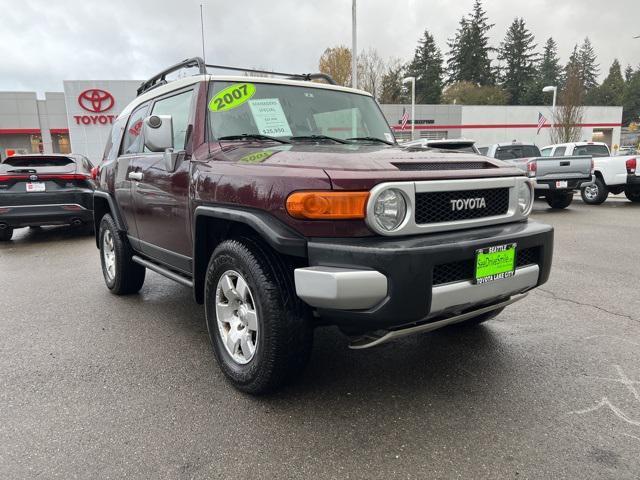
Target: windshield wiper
371,139
256,136
318,137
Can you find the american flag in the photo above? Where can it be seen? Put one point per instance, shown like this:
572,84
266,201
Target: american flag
541,121
404,119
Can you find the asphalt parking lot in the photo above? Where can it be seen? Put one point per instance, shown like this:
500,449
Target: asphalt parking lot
98,386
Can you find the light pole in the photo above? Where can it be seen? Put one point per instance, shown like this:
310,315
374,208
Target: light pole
553,89
354,47
412,81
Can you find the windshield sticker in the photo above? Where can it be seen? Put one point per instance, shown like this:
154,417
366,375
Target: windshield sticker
269,117
232,97
257,157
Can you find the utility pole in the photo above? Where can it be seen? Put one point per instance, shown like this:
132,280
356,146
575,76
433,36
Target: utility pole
354,47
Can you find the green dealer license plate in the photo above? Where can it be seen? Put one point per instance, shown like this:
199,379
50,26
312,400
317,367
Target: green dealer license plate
494,263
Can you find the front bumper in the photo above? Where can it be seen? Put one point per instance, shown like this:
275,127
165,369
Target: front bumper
366,284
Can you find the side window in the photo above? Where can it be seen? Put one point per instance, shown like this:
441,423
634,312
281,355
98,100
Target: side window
546,152
132,141
559,152
113,141
179,107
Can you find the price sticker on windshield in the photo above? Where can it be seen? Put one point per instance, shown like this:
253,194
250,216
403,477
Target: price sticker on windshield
232,97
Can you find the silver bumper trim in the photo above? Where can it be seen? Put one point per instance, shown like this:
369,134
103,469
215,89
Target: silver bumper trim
460,295
372,340
340,288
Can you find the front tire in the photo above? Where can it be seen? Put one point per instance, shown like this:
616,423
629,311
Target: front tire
595,194
6,233
121,274
261,333
633,194
559,200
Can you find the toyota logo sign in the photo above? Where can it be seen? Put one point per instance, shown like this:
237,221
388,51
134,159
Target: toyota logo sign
96,100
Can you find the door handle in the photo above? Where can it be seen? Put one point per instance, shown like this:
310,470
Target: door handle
565,164
137,176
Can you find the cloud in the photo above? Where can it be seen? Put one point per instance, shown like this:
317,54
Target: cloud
44,42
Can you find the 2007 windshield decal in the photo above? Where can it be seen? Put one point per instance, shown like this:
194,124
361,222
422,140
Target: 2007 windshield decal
232,97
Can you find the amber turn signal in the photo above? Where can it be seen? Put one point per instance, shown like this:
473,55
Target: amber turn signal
327,205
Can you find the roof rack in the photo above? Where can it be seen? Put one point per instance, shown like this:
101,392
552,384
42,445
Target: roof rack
160,78
291,76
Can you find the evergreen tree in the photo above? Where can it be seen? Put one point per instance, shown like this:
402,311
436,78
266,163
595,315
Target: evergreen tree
573,65
549,69
631,99
589,69
611,92
517,53
628,72
548,72
469,49
426,66
391,85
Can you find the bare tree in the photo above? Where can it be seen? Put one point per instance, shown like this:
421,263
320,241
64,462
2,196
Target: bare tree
336,61
569,113
371,69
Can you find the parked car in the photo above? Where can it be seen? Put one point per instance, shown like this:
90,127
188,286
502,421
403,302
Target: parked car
455,144
285,204
555,178
45,189
611,172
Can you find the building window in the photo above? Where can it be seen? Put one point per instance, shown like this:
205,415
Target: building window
61,143
36,144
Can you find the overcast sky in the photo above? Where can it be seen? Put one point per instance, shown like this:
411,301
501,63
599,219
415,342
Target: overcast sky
45,42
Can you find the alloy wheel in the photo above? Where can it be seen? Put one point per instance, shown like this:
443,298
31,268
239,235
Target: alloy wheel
236,317
109,255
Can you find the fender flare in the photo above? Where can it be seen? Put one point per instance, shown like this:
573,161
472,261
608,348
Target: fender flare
276,234
279,236
115,213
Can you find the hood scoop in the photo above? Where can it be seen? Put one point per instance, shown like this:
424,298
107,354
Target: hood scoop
447,165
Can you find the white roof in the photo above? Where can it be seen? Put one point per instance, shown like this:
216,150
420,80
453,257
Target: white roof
184,82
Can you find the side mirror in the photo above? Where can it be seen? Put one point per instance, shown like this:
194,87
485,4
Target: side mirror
158,137
158,132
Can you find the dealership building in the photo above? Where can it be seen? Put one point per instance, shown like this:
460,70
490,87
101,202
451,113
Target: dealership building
79,119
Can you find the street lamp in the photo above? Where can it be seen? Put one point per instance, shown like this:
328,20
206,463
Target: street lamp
553,89
412,81
354,47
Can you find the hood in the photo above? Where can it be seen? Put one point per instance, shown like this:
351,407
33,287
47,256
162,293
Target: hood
368,161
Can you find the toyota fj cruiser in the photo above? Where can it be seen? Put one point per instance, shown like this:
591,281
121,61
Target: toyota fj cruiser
285,203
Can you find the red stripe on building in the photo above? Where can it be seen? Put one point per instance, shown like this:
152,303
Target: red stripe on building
498,125
19,131
59,130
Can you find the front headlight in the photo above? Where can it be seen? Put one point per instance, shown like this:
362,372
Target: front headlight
525,198
390,209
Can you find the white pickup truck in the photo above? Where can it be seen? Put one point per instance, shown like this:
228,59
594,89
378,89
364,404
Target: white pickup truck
555,178
615,174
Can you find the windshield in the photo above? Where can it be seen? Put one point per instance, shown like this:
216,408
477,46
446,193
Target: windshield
517,151
294,113
593,150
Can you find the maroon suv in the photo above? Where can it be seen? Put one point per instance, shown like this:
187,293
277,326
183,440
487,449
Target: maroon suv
285,203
